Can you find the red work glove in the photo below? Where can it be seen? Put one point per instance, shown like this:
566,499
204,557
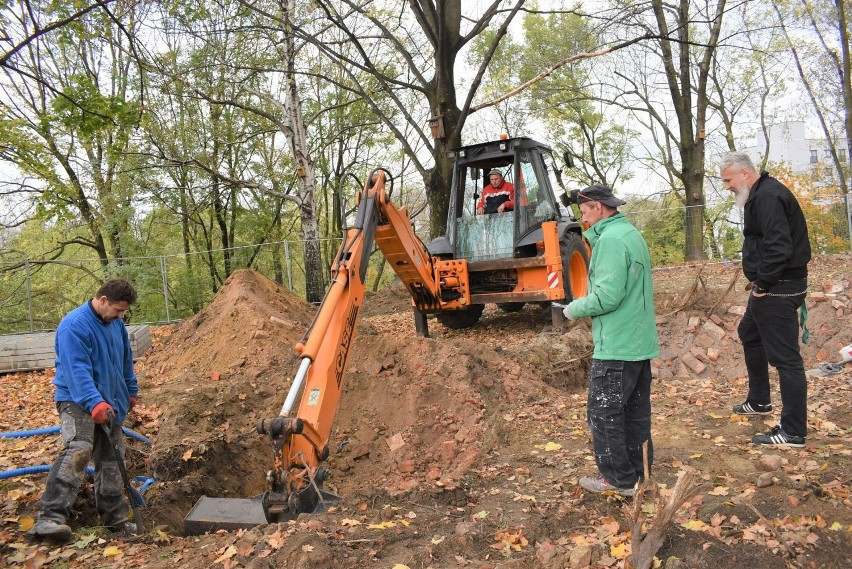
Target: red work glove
99,413
132,403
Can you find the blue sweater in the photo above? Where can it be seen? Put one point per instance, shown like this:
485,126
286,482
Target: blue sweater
94,362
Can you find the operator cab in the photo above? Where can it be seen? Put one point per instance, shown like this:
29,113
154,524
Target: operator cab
525,164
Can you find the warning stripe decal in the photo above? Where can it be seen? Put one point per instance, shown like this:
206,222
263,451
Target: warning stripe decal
553,279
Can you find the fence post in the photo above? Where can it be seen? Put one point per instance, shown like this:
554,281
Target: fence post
29,293
289,267
164,270
849,216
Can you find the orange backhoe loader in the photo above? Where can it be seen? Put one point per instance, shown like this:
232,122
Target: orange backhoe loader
532,253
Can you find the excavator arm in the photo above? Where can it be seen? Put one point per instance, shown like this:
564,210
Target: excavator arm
300,441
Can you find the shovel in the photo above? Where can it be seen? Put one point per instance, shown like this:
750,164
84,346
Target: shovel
131,495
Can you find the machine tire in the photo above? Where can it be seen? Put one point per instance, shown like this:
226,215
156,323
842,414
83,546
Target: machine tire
458,319
575,265
511,306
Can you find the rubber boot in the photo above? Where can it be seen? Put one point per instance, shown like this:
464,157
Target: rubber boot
50,530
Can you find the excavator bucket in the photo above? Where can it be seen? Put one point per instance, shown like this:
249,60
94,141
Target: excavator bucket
212,514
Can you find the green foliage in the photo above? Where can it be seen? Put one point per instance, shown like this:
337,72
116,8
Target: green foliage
661,222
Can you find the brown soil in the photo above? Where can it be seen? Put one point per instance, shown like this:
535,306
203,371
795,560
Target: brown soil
464,449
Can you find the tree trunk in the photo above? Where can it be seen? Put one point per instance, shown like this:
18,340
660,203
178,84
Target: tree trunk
691,119
297,138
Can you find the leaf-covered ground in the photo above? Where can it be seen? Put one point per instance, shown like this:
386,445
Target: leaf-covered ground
462,450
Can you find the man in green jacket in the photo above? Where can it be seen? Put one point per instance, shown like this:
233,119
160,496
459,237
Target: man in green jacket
624,332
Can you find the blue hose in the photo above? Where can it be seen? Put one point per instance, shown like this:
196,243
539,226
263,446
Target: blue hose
34,432
33,470
137,494
51,430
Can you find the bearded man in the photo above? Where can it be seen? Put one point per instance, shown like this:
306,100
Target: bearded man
776,252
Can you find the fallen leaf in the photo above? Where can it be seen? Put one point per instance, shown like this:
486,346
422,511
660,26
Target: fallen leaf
695,525
307,548
719,491
697,455
481,515
439,539
112,551
836,526
401,566
794,501
229,552
383,525
618,551
187,455
350,523
25,523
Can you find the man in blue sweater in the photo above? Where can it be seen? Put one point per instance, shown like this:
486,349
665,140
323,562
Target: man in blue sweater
94,376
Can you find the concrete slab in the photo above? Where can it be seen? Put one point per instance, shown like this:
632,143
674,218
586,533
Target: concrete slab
32,351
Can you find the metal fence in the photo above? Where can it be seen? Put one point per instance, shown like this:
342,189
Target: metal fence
35,293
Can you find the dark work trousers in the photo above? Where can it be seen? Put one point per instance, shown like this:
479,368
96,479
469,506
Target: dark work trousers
769,332
84,441
619,415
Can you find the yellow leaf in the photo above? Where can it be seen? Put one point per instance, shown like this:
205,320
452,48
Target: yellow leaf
719,491
481,515
112,551
697,455
187,455
551,447
230,552
25,523
350,523
525,497
401,566
406,523
657,563
439,539
618,551
383,525
695,525
716,416
836,526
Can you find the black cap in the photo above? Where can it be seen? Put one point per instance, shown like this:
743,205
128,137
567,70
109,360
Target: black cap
599,193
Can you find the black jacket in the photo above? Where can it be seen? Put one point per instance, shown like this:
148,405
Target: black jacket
775,244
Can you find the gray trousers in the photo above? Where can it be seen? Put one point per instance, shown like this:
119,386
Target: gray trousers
85,441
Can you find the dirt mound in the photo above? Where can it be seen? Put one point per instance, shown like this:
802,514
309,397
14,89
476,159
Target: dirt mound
213,377
465,450
414,410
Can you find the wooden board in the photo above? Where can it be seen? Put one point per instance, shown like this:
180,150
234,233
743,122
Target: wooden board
32,351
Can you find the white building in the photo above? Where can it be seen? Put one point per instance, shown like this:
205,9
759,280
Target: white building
789,143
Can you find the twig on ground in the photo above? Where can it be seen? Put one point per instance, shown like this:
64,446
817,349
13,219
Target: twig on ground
734,280
691,292
643,548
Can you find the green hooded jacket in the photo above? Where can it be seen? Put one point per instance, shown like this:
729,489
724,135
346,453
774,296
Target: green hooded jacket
621,293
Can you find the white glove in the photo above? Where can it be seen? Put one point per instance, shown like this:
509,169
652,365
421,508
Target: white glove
567,313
